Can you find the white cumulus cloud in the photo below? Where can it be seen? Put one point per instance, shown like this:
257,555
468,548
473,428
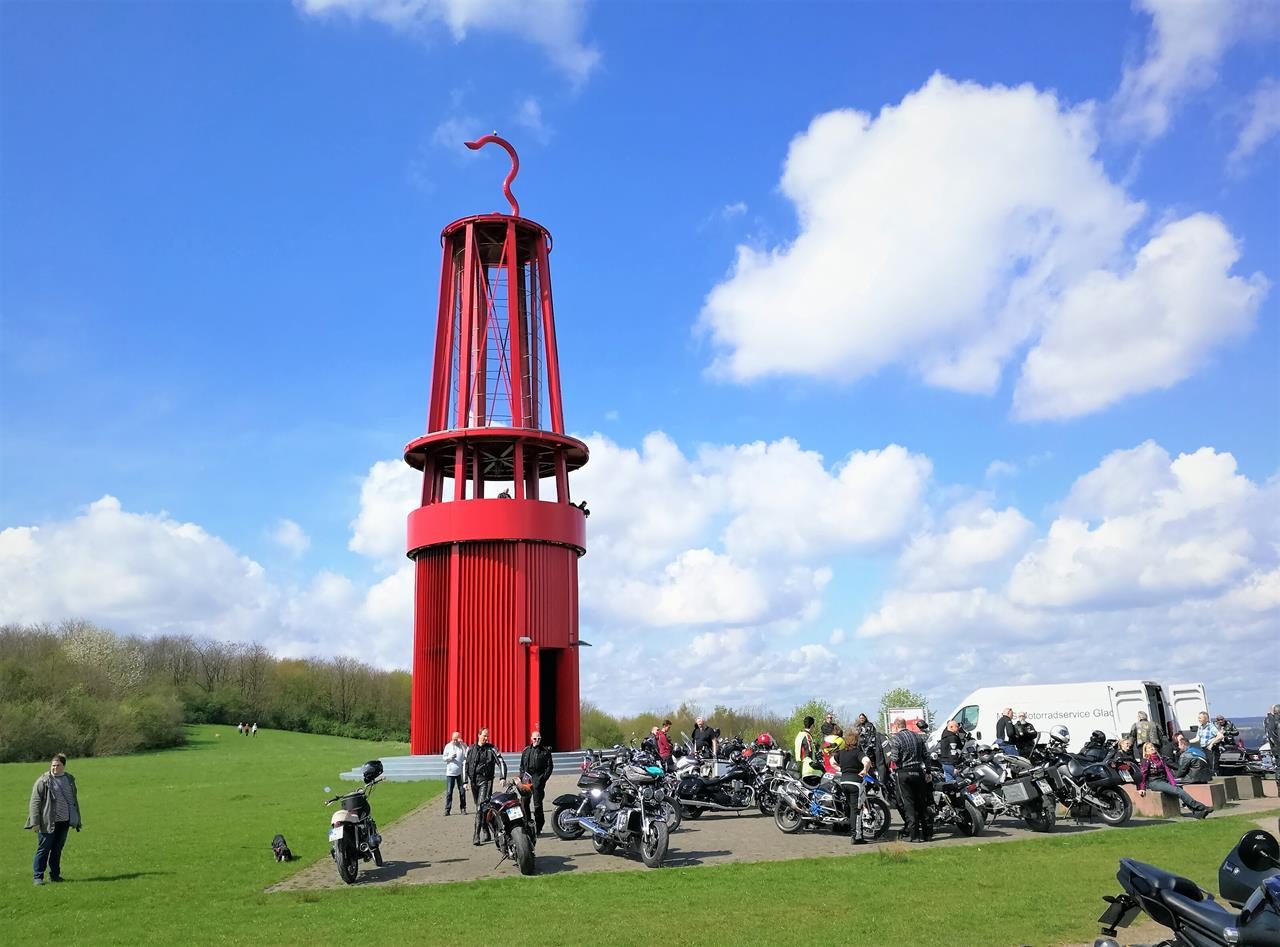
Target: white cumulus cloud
290,537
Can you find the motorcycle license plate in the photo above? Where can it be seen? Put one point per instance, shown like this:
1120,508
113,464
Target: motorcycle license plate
514,815
1126,776
1044,786
335,834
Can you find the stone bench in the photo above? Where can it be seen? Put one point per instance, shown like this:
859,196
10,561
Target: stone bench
1212,794
1154,805
1243,787
1270,788
1229,786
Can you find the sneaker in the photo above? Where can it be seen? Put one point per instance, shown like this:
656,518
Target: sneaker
38,881
1201,813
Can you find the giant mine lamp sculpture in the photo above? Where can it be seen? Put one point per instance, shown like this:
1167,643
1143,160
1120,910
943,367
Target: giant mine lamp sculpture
496,541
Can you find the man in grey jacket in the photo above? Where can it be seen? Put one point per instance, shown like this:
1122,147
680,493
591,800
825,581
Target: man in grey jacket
53,810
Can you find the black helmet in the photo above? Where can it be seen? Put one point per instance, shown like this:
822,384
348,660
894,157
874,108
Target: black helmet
1097,737
371,771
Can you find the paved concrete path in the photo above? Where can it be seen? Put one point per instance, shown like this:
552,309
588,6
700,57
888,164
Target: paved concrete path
424,847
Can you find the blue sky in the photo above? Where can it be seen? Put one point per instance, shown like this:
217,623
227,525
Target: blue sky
928,330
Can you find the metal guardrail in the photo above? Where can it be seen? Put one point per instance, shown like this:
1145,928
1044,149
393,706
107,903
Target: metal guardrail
402,769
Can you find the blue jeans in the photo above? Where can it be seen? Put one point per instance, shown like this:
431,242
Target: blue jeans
1162,787
948,771
49,850
449,783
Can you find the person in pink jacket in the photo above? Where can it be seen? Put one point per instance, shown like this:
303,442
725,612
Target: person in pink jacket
1154,773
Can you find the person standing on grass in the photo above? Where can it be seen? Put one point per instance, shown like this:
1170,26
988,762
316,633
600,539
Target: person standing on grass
455,755
254,731
53,810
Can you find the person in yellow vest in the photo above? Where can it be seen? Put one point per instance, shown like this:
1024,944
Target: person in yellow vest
806,751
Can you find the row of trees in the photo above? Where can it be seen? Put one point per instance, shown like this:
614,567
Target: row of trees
600,729
84,690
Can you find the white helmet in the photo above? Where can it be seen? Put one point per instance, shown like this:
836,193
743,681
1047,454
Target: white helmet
1060,734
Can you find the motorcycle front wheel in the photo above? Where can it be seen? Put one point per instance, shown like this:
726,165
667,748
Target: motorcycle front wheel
564,829
875,819
692,812
344,854
524,852
653,846
973,821
671,812
787,818
1041,816
766,801
1117,807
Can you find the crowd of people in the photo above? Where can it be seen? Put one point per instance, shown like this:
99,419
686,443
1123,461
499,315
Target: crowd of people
477,766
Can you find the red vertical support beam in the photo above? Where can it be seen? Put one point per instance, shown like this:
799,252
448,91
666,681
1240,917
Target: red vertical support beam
516,372
549,339
437,416
459,474
465,330
562,477
517,469
531,320
453,709
480,321
419,697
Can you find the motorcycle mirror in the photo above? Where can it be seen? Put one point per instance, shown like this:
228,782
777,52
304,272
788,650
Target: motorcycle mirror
327,789
1259,850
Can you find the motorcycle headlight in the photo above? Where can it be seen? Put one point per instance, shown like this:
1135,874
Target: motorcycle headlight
646,792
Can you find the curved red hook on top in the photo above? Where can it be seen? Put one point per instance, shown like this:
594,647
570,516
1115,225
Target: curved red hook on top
511,175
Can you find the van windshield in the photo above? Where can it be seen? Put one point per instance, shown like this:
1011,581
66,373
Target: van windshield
967,717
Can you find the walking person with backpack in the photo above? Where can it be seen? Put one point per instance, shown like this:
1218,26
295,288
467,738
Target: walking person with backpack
54,809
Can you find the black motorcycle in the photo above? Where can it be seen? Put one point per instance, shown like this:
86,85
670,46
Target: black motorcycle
957,802
1249,878
627,813
1083,786
737,790
353,835
506,817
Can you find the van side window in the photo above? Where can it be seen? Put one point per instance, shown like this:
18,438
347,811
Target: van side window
967,717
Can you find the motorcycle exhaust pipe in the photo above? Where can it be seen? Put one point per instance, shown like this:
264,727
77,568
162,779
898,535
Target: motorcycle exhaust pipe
591,825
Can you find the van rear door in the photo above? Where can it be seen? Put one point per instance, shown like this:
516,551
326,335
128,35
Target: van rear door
1186,703
1158,711
1126,700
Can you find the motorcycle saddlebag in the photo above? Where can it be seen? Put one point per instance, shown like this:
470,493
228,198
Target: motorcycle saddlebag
1021,790
568,799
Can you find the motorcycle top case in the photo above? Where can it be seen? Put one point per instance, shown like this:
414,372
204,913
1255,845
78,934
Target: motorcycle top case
355,802
643,774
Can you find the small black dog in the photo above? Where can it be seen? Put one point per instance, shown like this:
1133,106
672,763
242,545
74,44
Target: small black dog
281,849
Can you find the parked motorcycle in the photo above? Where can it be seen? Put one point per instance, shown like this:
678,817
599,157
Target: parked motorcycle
1084,787
1247,878
958,803
737,790
625,812
353,835
506,816
825,804
1024,794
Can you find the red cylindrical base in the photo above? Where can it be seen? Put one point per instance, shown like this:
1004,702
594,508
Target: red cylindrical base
474,603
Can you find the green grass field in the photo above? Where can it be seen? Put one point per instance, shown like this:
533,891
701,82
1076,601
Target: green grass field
176,849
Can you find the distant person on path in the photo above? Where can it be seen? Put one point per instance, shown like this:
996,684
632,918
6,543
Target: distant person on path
664,745
240,728
805,752
1004,731
1024,734
53,810
1154,773
1192,766
455,757
704,738
1144,731
482,763
536,761
1271,727
949,746
255,728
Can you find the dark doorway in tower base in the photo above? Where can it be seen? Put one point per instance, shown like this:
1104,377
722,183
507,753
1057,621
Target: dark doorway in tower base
548,669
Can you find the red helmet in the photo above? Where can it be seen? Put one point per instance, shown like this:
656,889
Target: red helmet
765,739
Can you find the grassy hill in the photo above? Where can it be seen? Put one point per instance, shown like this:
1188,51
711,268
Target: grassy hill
176,850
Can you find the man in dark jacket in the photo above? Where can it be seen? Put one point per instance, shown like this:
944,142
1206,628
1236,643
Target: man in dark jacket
949,746
54,808
483,760
906,750
1271,727
1025,734
704,738
1192,765
1004,731
536,761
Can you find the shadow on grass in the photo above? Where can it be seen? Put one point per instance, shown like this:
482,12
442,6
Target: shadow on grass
127,876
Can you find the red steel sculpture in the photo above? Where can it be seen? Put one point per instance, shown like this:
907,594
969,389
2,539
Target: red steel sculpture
496,540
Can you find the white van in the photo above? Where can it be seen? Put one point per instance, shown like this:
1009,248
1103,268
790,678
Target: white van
1109,706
